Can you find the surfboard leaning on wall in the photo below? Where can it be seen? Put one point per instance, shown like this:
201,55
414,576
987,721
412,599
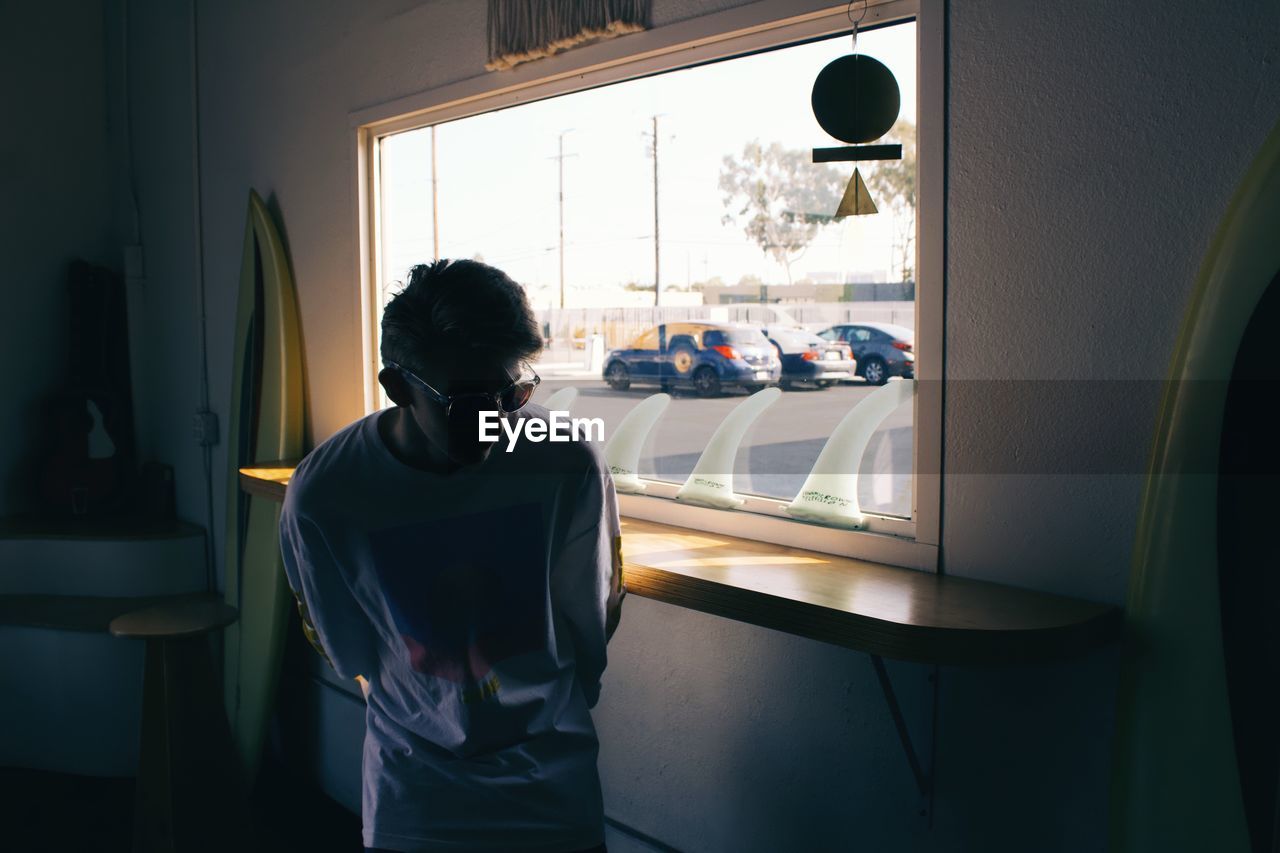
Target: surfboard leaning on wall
1186,730
265,423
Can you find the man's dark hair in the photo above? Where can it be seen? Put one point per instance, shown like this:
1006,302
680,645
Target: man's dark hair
450,307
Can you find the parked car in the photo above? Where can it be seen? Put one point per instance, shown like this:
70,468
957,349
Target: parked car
807,358
706,357
881,349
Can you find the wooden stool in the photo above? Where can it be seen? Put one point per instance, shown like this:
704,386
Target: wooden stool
188,791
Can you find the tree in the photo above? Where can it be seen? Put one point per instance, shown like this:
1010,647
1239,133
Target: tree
779,198
892,184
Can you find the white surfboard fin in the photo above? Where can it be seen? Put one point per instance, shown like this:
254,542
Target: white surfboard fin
711,483
830,493
562,400
622,452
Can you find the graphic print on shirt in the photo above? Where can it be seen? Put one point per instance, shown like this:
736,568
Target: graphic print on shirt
466,592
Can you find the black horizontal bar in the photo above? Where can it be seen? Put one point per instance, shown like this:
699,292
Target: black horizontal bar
857,152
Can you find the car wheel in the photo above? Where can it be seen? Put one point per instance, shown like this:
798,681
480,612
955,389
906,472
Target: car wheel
705,382
875,372
618,377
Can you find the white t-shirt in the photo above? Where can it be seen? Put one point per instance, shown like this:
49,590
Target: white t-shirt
478,606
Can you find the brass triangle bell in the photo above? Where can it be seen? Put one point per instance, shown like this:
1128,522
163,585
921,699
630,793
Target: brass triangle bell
857,200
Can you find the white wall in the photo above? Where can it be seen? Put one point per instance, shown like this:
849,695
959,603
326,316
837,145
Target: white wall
1088,142
54,204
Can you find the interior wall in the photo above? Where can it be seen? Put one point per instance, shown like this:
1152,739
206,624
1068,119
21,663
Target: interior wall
1093,150
1088,142
166,298
55,205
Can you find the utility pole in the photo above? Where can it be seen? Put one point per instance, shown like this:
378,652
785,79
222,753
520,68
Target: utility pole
435,199
657,277
560,158
560,163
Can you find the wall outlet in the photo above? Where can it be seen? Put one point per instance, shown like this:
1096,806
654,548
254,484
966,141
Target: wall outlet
206,428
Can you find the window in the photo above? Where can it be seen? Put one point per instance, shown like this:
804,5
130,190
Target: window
649,340
690,331
623,200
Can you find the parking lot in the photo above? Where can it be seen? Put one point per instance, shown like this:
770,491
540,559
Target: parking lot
779,451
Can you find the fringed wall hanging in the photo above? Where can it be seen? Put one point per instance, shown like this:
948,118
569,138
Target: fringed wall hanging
856,99
521,30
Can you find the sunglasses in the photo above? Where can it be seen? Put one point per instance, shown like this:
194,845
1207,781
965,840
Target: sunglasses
513,398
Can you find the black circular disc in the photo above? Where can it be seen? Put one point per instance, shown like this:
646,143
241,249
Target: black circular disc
856,98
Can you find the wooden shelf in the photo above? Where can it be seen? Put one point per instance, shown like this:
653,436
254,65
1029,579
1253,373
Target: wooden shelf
268,479
883,610
89,613
176,617
106,529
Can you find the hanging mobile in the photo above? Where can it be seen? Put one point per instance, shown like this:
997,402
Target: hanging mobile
856,99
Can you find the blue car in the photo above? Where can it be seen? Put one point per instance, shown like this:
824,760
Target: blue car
881,349
704,357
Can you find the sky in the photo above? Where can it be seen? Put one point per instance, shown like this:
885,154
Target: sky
497,178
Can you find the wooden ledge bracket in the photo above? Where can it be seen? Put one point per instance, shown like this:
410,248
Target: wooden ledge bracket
924,776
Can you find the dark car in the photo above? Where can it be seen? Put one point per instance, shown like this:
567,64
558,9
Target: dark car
882,349
706,357
807,358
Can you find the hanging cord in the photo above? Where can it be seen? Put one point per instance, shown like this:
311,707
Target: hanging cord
853,105
206,449
128,123
855,21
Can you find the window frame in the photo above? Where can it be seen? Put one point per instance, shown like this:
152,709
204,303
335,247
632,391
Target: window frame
912,543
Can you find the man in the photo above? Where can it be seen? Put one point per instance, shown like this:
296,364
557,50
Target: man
470,590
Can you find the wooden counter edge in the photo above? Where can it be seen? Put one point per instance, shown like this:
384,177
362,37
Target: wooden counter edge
890,639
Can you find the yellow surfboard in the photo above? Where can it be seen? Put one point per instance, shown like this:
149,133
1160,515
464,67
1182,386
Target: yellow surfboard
265,423
1183,717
